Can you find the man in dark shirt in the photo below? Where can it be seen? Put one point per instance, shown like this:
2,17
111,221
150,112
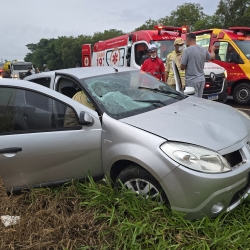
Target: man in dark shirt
28,73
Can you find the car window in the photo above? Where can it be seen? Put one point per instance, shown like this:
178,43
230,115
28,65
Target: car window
24,111
36,100
67,87
113,57
44,81
225,52
139,50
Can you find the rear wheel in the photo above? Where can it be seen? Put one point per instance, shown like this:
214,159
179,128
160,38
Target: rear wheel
241,94
142,183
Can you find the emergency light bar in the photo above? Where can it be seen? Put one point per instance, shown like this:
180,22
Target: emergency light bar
244,30
239,28
180,30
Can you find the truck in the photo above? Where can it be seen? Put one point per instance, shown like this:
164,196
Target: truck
232,53
127,51
17,68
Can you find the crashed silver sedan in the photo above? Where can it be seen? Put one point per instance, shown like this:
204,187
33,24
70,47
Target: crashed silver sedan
191,153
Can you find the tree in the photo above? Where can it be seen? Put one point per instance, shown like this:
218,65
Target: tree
107,34
68,56
186,14
208,22
233,13
148,25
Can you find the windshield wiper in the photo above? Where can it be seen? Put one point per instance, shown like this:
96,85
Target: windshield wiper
162,91
151,101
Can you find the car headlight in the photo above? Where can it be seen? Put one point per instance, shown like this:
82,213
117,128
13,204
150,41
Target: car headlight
225,73
196,158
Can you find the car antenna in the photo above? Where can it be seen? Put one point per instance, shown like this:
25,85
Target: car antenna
116,70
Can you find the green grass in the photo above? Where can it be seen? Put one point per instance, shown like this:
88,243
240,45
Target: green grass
132,223
94,216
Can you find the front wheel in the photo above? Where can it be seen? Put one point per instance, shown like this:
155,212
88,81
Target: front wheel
241,94
142,183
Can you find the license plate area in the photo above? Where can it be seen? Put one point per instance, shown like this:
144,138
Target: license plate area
213,97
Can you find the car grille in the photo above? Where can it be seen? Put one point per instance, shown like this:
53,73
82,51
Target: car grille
234,158
214,86
22,75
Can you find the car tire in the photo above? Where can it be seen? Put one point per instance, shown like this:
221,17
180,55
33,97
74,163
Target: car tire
241,94
142,183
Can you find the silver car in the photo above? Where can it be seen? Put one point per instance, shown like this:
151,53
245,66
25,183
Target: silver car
189,152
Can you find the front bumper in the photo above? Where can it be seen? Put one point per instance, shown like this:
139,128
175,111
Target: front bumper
206,195
196,194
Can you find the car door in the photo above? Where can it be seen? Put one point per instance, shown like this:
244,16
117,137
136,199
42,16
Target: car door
36,148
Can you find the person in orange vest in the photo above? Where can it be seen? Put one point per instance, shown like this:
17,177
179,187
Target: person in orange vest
154,65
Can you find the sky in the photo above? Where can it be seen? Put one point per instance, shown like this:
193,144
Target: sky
28,21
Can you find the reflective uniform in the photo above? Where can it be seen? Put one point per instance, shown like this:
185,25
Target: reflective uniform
176,57
154,67
70,117
82,98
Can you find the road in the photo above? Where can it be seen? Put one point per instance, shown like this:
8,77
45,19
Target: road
244,108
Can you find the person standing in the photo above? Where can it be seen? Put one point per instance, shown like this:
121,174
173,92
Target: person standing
176,57
192,61
154,65
28,73
45,68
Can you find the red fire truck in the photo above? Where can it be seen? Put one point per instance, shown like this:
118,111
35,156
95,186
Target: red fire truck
128,50
233,54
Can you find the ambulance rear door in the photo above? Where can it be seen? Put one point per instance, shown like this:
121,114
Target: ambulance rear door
86,55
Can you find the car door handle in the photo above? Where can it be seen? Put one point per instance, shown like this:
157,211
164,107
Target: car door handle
10,150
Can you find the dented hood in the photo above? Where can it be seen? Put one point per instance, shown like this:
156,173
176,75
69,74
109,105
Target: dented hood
197,121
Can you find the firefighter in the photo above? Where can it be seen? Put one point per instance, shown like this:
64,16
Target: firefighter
154,65
176,56
70,117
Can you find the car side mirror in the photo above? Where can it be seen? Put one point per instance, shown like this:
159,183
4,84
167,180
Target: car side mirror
85,119
189,91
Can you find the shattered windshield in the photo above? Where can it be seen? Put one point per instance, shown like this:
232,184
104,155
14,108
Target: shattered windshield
125,94
244,47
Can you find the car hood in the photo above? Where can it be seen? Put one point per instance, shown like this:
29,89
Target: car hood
195,120
212,67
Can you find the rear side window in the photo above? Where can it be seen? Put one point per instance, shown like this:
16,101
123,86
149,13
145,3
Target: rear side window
45,81
25,111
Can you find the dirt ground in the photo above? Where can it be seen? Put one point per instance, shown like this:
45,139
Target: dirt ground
47,221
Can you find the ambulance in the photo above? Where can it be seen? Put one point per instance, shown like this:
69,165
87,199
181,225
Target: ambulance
233,54
127,51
